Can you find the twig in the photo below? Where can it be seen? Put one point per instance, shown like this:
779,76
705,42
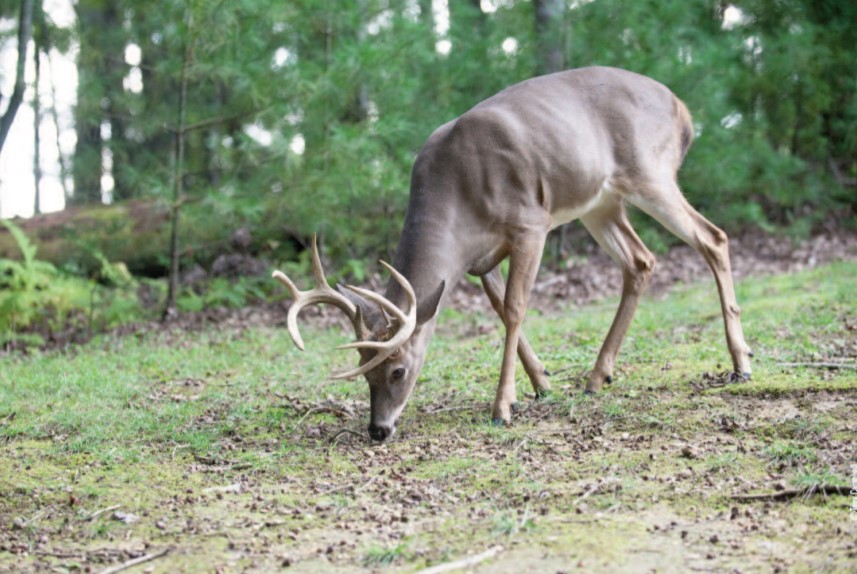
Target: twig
366,484
235,487
309,412
62,555
837,173
794,493
819,365
468,562
344,431
222,119
347,486
177,447
135,561
344,412
430,411
587,494
98,513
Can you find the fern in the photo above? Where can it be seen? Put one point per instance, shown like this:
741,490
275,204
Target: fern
28,249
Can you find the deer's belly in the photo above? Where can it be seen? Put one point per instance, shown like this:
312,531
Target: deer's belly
566,213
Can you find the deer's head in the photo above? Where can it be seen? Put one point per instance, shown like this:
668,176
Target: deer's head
391,341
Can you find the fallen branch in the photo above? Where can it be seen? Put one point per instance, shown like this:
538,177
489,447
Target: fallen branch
819,365
468,562
794,493
135,561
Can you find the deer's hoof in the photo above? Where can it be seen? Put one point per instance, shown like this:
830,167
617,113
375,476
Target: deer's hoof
543,394
590,392
499,422
746,376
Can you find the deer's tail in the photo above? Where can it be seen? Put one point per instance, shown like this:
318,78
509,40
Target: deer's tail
685,129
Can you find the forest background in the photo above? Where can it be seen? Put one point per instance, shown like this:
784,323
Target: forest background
210,138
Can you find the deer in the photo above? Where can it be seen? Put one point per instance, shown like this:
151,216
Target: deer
489,185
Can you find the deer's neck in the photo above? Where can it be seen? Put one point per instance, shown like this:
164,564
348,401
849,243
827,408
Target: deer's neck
427,255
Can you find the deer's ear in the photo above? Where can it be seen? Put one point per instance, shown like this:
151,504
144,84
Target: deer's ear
428,307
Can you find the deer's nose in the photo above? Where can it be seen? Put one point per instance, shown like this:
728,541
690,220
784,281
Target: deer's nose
379,433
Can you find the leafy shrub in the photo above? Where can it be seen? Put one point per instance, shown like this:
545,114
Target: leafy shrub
36,296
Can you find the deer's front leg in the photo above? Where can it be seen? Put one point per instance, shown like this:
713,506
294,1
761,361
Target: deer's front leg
523,266
495,289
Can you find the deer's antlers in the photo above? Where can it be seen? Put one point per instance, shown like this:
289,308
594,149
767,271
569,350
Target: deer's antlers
323,293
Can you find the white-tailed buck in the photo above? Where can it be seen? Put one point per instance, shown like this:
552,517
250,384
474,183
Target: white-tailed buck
491,184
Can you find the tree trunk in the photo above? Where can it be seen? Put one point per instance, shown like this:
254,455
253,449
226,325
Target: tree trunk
115,112
178,178
550,39
87,163
550,46
426,15
37,123
100,95
55,117
25,30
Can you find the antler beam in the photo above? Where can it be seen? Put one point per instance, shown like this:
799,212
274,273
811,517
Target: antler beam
323,293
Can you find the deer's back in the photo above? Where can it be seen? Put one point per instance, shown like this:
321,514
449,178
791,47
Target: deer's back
558,142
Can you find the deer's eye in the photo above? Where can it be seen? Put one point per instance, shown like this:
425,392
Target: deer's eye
398,373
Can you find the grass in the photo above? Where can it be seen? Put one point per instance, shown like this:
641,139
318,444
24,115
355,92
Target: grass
383,556
210,438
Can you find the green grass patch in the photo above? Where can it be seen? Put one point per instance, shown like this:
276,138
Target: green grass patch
212,439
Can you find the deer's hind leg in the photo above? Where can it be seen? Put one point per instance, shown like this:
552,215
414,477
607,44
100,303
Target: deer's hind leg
667,204
495,288
610,227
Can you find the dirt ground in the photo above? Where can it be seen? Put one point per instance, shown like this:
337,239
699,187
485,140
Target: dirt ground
671,469
567,491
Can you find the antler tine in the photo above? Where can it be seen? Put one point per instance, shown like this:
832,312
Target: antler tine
406,287
322,293
380,300
406,327
373,362
317,271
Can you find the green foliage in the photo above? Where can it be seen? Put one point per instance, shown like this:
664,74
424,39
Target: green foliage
763,92
384,556
34,293
808,478
509,524
307,115
222,292
789,453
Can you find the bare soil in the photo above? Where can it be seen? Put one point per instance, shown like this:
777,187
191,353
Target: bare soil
573,491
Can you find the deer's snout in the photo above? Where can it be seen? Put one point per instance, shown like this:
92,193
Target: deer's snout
379,432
